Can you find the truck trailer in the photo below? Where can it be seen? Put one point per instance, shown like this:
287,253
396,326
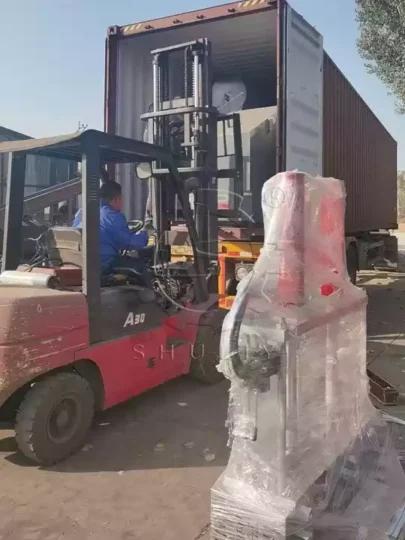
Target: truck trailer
297,111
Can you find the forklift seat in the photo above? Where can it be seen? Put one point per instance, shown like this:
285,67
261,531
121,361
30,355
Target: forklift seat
65,245
130,273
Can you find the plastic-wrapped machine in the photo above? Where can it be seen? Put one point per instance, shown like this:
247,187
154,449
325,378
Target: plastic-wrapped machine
311,458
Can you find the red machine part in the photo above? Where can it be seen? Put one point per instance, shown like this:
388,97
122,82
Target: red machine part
301,256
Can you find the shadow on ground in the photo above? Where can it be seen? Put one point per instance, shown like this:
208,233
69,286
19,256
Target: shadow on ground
181,424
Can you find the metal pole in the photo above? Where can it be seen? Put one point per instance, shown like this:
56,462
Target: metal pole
156,99
211,165
70,212
12,247
155,83
91,231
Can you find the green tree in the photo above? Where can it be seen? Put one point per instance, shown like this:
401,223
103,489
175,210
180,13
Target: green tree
382,43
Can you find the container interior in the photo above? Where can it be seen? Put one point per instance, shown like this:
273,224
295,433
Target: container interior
243,47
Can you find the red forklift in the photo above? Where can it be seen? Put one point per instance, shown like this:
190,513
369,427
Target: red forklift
73,343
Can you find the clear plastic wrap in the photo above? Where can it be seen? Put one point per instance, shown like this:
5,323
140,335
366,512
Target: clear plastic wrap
311,458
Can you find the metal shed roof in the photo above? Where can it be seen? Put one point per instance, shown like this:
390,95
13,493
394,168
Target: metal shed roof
10,134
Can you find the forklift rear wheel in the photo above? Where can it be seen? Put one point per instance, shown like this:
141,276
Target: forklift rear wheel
54,418
205,356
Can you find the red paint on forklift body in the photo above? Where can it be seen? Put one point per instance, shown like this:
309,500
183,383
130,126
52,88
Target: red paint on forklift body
134,364
48,330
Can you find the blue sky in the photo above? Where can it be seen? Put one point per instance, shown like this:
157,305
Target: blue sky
52,58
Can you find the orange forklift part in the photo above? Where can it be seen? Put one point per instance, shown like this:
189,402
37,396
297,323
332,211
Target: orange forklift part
231,256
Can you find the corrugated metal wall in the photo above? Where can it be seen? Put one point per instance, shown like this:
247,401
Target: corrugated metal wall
360,151
40,172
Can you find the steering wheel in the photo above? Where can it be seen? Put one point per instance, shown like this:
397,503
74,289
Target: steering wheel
135,225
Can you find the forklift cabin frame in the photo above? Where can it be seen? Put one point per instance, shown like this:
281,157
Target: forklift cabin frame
94,149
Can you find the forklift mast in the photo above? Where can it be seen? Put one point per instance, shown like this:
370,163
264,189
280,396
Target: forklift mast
188,126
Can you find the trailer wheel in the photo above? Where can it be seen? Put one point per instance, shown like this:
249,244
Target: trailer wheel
54,418
351,263
205,355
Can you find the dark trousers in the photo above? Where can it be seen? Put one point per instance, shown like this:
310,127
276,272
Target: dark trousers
138,264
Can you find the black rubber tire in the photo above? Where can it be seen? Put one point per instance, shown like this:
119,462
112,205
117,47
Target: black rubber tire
31,430
205,355
351,262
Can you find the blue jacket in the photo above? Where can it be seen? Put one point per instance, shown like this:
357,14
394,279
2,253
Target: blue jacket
115,235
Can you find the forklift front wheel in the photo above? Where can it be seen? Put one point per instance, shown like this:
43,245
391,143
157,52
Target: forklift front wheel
205,355
54,418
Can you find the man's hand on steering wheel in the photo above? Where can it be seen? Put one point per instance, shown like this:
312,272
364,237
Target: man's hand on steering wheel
138,225
148,227
135,225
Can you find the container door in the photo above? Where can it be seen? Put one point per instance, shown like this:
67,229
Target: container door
303,95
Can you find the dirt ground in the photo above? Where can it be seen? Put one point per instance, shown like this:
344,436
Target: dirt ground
146,473
148,467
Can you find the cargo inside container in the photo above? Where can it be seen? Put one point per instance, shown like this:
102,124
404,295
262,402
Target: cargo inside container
244,47
356,147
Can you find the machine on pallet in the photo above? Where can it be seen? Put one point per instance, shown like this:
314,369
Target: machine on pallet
311,458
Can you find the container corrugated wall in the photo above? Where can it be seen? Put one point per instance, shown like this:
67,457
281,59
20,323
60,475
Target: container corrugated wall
359,150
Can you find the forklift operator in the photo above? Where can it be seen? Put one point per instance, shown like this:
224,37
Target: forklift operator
115,235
